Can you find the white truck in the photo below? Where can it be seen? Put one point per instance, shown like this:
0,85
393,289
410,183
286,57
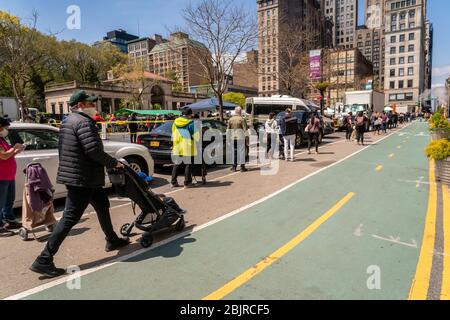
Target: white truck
367,101
8,107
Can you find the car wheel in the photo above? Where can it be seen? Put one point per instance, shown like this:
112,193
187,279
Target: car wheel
137,164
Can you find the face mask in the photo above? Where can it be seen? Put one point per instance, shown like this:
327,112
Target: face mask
4,133
91,112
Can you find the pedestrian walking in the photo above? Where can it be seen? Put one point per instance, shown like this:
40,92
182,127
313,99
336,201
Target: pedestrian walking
133,127
237,132
271,130
313,129
349,125
185,137
289,131
8,168
82,162
361,124
384,122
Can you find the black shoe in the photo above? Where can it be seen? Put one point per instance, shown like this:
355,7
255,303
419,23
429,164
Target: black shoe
12,225
175,185
50,271
5,233
117,244
233,169
244,169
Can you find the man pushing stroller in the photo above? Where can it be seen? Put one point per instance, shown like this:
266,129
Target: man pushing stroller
82,163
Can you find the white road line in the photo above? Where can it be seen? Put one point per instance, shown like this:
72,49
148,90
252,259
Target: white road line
183,234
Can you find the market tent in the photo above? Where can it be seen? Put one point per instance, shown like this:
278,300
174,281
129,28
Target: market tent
211,104
149,112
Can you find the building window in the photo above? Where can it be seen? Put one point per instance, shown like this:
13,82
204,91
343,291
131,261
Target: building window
401,60
401,84
392,85
410,83
392,61
411,48
393,39
392,72
411,36
411,59
393,50
401,72
401,49
410,71
402,38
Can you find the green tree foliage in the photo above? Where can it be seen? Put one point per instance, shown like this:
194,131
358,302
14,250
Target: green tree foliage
30,60
236,98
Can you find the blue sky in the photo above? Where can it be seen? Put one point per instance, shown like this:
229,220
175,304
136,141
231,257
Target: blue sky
158,16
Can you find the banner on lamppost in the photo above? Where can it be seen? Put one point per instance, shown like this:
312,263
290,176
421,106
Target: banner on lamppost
315,72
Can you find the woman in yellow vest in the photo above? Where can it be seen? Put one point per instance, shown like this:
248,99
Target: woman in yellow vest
185,138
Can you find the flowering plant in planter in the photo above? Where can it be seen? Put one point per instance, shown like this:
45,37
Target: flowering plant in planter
439,126
439,150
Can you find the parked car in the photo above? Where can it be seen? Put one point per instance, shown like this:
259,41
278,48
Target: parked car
159,140
41,146
302,120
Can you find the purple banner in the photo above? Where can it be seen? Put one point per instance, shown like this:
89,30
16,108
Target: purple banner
314,64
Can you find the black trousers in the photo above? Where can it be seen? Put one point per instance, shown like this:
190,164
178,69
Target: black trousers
133,138
313,136
349,132
188,166
360,133
77,201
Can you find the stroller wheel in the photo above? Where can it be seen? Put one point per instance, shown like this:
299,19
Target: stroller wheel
125,230
181,224
23,234
146,241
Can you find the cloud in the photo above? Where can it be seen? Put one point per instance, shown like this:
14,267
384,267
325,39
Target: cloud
441,71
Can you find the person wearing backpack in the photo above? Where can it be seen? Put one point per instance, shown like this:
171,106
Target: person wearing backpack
313,129
361,121
289,130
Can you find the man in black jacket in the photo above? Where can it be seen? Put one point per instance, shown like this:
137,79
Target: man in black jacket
82,163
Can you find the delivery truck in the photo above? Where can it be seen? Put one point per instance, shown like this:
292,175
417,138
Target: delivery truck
367,101
8,107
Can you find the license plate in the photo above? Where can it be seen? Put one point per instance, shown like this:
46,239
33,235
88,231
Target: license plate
154,144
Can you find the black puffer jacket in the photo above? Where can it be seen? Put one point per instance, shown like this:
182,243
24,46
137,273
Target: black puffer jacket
82,160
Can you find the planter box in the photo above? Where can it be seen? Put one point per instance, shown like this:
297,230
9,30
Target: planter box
439,135
443,171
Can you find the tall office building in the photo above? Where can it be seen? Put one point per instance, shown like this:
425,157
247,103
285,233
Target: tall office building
405,72
275,17
344,15
173,58
428,54
119,38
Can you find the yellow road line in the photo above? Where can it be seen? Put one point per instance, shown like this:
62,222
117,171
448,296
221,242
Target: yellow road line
379,168
421,281
399,147
445,289
258,268
391,155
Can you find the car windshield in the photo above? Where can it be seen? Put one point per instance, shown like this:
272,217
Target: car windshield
165,128
354,108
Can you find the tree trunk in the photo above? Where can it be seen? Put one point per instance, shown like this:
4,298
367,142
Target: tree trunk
322,95
220,97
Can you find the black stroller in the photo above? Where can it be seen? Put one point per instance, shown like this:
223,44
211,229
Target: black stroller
157,211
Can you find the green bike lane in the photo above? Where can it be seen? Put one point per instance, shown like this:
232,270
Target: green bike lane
331,263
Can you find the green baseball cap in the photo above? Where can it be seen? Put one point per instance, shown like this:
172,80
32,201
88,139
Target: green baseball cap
81,96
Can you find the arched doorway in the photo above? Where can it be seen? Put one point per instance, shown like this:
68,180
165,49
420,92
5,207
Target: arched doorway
157,97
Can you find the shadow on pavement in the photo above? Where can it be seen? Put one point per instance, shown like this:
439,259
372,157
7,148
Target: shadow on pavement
216,184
